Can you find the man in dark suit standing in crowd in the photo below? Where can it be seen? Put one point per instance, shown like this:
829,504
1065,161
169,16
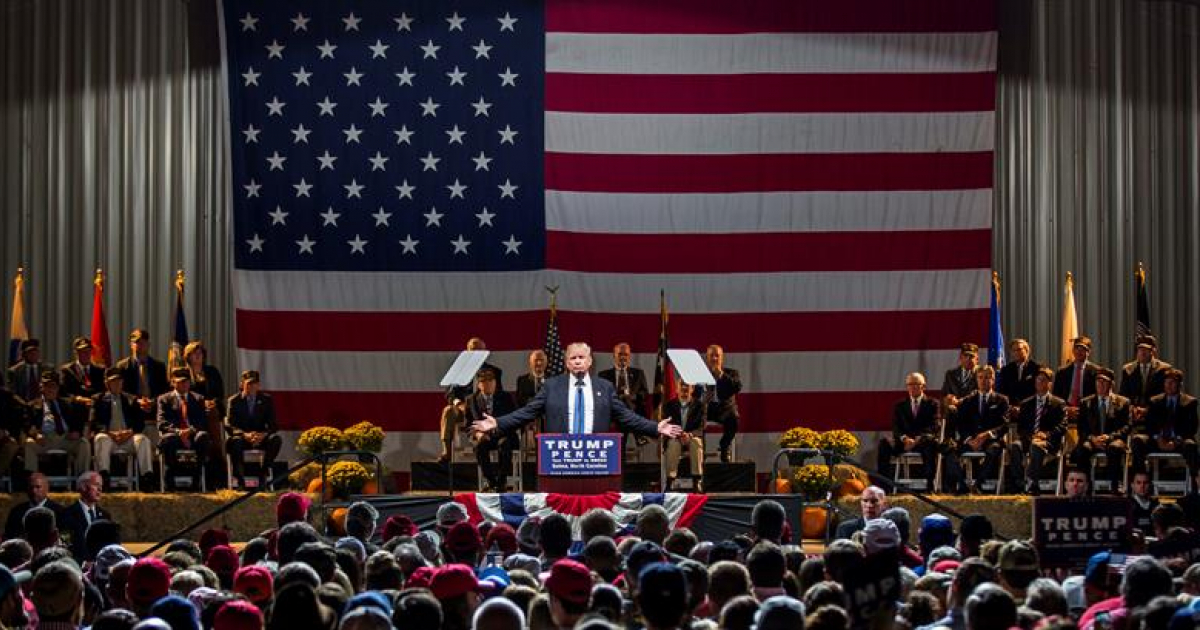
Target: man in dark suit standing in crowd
75,519
1104,425
1142,378
1041,426
250,424
38,492
577,403
722,397
25,377
1015,379
914,430
181,418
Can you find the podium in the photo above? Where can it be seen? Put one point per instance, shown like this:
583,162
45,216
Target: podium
579,463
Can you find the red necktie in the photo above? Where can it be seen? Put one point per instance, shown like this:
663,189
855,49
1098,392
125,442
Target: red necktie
1077,386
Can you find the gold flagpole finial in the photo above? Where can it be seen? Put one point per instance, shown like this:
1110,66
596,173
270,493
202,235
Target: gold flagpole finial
19,279
1070,279
98,280
553,291
179,280
1140,272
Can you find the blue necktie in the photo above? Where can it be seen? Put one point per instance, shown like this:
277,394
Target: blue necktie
578,424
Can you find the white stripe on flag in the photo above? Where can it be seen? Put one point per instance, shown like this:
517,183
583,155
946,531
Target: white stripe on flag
770,52
614,292
691,134
891,211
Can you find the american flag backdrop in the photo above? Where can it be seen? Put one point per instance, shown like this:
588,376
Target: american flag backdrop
809,182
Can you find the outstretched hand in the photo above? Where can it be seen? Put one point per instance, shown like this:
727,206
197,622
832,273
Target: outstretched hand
669,430
486,425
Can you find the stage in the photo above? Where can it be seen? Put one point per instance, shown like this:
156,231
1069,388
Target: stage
152,517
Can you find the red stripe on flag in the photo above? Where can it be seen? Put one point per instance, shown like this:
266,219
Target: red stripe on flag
693,505
756,172
579,504
769,252
742,93
769,16
521,330
419,411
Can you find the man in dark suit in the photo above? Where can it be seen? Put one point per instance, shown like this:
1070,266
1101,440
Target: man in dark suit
914,430
1171,424
81,379
629,381
56,423
180,422
688,412
488,401
1104,427
250,424
960,382
145,376
38,491
24,378
119,424
1142,378
1041,426
577,403
722,397
75,519
1016,378
530,382
977,425
1076,380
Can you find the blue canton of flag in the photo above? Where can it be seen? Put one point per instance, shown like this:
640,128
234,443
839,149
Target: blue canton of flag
399,136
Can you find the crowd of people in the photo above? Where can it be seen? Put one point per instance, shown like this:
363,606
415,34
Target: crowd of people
137,409
587,573
1014,421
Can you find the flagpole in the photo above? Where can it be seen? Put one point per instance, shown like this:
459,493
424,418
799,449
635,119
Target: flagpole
17,330
1070,321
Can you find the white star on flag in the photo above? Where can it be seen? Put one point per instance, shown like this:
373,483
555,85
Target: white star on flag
409,244
512,245
255,243
306,245
460,245
358,245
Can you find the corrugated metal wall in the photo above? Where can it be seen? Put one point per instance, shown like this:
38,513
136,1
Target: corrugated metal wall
111,154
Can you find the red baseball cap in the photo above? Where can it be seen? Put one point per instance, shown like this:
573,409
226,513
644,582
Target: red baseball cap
398,525
453,580
463,538
504,537
422,577
255,582
222,559
149,580
238,615
570,581
291,507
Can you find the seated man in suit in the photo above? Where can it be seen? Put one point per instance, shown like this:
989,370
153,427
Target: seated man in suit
722,398
529,383
960,382
24,378
914,430
75,519
1171,424
577,403
1015,379
978,425
688,412
250,424
1041,426
488,400
1104,427
180,418
81,379
38,491
1076,380
119,424
56,424
1142,378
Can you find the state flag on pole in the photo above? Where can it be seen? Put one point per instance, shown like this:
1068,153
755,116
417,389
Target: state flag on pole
1070,321
17,331
101,348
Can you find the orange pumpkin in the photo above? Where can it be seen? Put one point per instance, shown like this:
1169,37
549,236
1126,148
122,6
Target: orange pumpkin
851,487
812,522
337,521
314,486
371,487
783,486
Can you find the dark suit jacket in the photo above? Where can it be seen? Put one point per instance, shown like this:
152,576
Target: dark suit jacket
101,416
1183,422
953,383
212,387
14,413
551,402
526,388
73,523
502,404
638,391
724,403
73,416
169,414
1017,388
17,378
85,383
1116,421
1066,375
461,392
904,424
239,419
968,422
673,411
14,526
1053,422
156,376
1135,390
